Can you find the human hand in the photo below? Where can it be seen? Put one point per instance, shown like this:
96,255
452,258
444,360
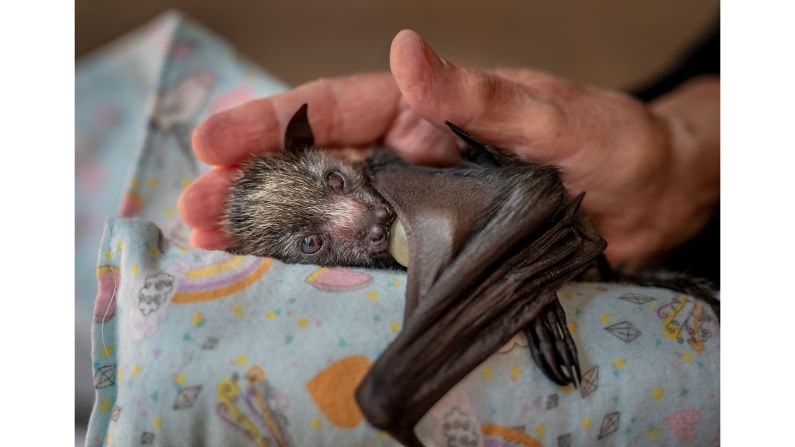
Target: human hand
650,172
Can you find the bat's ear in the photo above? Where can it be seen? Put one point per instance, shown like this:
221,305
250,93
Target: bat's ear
575,203
465,137
477,151
298,135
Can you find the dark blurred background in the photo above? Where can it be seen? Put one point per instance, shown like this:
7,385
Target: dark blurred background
613,43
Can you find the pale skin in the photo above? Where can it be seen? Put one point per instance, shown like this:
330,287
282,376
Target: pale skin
651,172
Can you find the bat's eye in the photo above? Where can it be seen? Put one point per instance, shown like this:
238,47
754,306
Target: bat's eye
311,244
335,181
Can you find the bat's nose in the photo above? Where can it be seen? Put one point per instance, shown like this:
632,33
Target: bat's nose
377,233
382,215
377,237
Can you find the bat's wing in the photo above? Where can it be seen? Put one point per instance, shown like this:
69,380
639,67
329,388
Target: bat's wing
550,342
488,249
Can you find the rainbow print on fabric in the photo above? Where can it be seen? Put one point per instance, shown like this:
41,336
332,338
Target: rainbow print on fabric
218,280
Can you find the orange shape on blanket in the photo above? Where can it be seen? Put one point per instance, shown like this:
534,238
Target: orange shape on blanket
333,390
512,435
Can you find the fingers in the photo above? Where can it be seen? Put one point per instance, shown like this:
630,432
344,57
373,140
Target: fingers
349,111
209,239
202,204
420,141
508,113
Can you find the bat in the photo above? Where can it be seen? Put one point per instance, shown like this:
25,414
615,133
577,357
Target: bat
490,242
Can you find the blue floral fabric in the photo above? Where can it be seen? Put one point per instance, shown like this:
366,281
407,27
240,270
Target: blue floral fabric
137,101
197,347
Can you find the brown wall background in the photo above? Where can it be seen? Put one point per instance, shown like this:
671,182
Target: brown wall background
615,43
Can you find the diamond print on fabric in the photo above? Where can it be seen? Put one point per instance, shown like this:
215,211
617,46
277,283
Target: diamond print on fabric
609,424
624,330
636,298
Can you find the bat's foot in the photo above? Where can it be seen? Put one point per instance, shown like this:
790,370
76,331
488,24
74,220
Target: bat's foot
551,346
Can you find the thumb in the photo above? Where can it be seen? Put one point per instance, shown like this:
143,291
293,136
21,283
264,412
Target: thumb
495,109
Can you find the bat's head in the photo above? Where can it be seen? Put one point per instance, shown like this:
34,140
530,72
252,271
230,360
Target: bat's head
308,205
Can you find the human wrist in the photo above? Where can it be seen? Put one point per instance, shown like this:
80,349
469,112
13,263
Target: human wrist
690,117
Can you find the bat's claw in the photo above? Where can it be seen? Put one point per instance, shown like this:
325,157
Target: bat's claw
551,346
543,353
560,314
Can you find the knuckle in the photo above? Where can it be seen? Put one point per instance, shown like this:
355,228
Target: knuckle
319,84
491,87
491,93
550,120
559,88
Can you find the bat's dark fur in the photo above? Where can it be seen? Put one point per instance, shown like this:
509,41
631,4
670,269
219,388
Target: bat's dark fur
278,200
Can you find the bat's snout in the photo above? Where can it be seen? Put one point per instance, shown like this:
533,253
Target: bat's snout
377,238
377,235
383,215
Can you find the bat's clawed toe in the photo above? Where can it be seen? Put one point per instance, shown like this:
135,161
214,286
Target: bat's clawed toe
552,348
543,352
571,347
